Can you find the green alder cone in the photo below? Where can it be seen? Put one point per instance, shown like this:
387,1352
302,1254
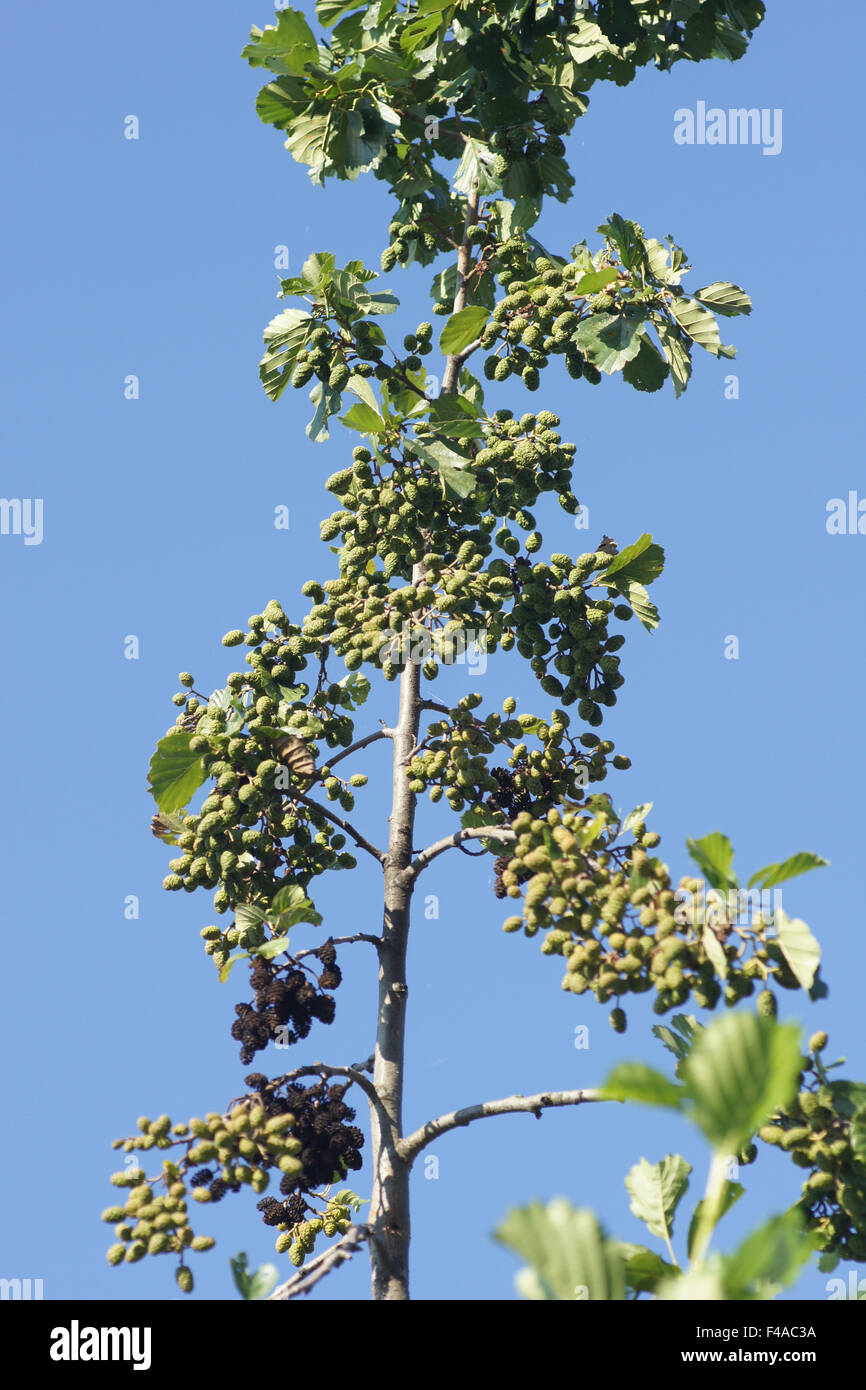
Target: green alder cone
613,912
767,1005
833,1197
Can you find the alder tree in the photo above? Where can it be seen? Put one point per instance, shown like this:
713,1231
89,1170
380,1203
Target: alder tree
462,111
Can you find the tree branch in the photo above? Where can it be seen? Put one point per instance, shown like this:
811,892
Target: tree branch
435,705
356,835
324,1069
460,357
310,1275
480,832
510,1105
338,941
356,747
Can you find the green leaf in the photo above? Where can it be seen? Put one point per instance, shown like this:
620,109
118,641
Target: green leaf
327,403
638,1082
680,1037
799,947
634,817
290,906
453,414
644,1268
364,419
481,293
567,1253
611,340
350,294
329,11
347,1198
308,142
364,142
450,466
714,856
360,271
642,606
284,49
715,952
231,963
515,217
858,1133
676,351
725,298
627,238
317,270
699,324
167,827
769,1259
291,694
462,329
475,170
284,337
731,1193
221,699
848,1097
648,371
252,1286
282,102
655,1190
419,31
659,262
273,947
362,388
586,40
175,772
774,874
358,686
548,175
741,1069
595,280
561,93
457,480
249,915
472,390
643,561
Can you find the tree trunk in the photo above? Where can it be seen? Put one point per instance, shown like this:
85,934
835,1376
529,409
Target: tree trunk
389,1216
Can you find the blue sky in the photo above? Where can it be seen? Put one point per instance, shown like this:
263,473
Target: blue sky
155,258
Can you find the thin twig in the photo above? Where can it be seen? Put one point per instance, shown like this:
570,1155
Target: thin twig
410,1147
480,832
360,840
356,747
338,941
324,1069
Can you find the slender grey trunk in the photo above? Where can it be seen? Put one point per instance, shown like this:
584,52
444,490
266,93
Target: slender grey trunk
389,1207
389,1218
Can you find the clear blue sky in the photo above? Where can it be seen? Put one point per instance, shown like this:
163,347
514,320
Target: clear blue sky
156,258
